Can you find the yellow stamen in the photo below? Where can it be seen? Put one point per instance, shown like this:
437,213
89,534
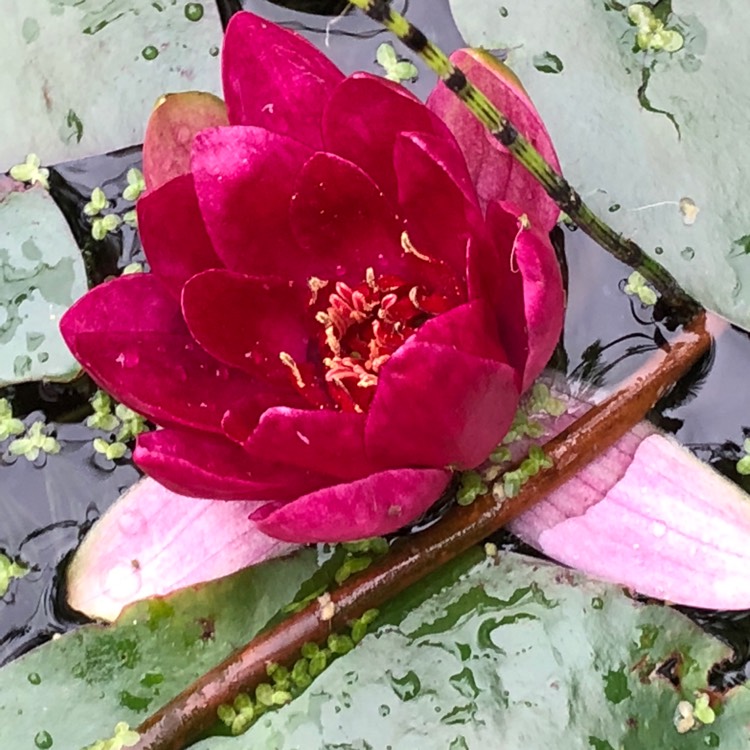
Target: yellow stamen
315,284
288,361
409,248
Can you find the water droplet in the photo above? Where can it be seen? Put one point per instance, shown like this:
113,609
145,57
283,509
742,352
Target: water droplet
34,678
43,740
614,207
658,528
193,11
658,250
384,710
150,52
406,687
712,740
597,603
128,359
132,523
123,582
214,51
688,253
503,11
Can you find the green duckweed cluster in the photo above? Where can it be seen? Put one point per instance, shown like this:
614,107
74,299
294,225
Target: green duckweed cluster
636,286
9,569
651,33
128,424
285,684
123,737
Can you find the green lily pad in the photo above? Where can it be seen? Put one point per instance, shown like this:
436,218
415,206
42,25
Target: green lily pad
41,275
80,77
516,649
648,114
78,687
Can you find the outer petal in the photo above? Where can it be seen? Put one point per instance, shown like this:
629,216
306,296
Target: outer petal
176,541
199,464
520,278
327,441
246,322
244,178
149,361
173,233
379,504
170,131
275,78
436,197
494,171
438,405
363,118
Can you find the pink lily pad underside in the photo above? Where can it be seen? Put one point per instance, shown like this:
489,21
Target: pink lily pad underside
153,541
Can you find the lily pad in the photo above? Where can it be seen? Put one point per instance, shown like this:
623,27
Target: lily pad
514,648
650,136
80,77
41,276
78,687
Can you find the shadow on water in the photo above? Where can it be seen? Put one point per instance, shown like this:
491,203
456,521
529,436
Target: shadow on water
47,508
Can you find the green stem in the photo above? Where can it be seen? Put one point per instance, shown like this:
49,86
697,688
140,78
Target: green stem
557,187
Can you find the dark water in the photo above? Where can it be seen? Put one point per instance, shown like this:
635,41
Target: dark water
46,509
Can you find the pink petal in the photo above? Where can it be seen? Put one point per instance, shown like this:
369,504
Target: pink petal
244,178
491,279
152,542
247,322
543,299
199,464
455,419
436,197
363,118
170,131
130,337
340,217
275,79
173,233
379,504
331,442
520,273
494,171
671,528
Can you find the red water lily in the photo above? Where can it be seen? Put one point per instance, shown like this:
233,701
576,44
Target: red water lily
333,320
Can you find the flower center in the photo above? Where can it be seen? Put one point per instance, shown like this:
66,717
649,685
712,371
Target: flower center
363,326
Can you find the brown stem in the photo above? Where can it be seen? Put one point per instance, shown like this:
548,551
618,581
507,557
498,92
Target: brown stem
193,712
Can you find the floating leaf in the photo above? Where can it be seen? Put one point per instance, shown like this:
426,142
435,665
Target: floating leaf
637,122
81,77
514,648
41,275
76,688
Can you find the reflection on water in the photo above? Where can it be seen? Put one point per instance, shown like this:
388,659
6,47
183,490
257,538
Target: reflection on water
47,509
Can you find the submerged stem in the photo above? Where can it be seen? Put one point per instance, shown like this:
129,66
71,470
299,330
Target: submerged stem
557,187
194,711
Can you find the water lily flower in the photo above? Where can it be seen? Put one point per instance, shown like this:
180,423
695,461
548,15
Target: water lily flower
334,319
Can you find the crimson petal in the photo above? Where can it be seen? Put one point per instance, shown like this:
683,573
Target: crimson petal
331,442
275,78
339,215
129,335
246,322
495,172
455,419
363,117
436,197
201,465
173,233
244,178
376,505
